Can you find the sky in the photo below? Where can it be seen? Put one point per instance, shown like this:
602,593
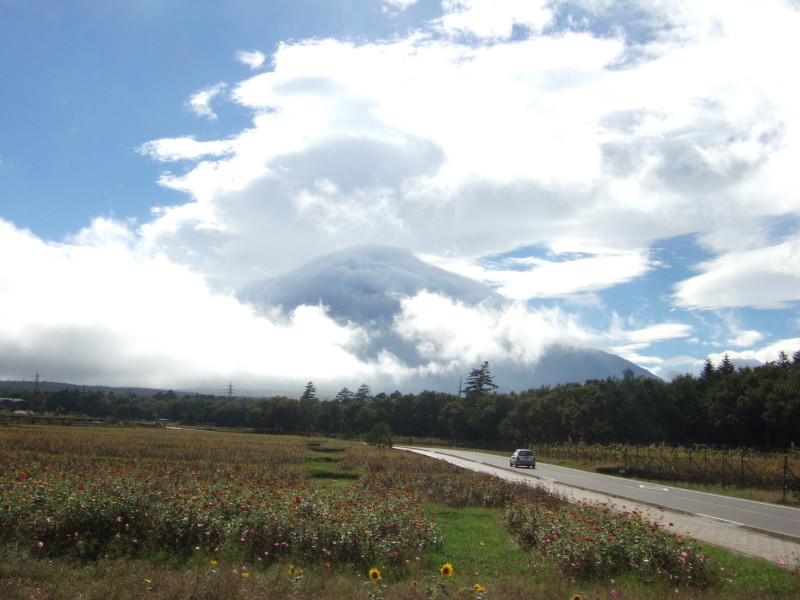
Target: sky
622,172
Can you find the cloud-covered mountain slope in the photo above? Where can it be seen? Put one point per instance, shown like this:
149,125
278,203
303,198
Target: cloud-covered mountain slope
437,323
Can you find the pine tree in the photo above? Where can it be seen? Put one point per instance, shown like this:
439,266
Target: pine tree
310,392
479,381
364,393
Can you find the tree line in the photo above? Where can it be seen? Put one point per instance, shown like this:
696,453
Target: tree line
723,405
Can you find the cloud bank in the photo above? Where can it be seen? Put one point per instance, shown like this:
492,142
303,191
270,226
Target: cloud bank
590,133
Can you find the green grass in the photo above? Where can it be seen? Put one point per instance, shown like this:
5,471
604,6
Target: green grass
476,542
326,467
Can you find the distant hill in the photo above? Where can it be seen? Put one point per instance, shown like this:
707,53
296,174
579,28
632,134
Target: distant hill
55,386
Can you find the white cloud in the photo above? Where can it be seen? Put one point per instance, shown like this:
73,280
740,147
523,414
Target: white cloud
447,331
498,127
658,332
254,59
541,278
475,150
102,309
200,102
767,277
400,4
758,356
493,20
185,148
746,339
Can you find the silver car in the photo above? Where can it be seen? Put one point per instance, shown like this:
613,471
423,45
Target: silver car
523,458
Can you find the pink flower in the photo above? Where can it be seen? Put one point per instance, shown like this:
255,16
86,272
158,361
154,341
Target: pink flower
40,544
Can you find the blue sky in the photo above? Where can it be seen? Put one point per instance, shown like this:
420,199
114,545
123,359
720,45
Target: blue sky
622,171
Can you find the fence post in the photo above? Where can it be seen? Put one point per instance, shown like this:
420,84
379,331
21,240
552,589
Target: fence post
723,470
675,467
742,475
785,473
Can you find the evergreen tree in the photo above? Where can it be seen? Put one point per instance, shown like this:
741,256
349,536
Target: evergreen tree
310,392
363,393
344,395
479,381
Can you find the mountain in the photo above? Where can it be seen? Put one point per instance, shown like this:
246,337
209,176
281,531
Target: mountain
365,286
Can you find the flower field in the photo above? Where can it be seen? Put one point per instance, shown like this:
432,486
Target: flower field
233,515
90,506
591,540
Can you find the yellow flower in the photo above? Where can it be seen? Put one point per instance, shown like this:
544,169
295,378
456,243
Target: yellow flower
446,570
213,562
577,597
478,588
148,581
374,574
245,575
291,569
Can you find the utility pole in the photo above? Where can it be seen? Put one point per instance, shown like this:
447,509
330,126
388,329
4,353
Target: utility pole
230,389
36,386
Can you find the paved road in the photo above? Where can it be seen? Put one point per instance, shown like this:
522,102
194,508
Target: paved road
757,529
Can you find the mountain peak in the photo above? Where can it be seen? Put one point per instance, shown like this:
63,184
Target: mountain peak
366,286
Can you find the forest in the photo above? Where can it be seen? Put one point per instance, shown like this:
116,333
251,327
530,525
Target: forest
758,407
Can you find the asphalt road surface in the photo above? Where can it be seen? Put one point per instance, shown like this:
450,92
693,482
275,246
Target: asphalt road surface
770,519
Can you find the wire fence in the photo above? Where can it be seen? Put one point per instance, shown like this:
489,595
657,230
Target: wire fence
727,467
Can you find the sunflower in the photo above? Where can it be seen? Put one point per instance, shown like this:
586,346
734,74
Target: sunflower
446,570
577,597
374,574
478,588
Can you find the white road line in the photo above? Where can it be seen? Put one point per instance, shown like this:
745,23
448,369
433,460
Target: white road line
653,487
721,519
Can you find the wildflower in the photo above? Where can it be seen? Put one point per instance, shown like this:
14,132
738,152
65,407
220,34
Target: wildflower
291,569
577,597
213,562
374,574
446,570
245,575
478,588
148,581
40,544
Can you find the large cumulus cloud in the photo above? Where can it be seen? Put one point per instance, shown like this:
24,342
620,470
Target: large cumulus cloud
585,130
